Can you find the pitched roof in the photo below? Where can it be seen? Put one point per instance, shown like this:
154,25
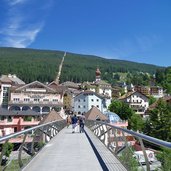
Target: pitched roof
51,116
11,79
70,84
5,79
88,92
154,105
58,88
95,114
131,93
36,83
102,83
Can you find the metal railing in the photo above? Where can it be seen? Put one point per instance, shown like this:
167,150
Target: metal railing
112,135
18,149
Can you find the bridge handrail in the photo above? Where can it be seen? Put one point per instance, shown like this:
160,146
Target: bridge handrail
30,143
139,135
13,135
103,131
143,136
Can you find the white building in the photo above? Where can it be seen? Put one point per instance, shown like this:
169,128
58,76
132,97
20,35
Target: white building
137,101
84,101
6,82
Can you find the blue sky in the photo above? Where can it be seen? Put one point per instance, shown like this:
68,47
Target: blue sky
133,30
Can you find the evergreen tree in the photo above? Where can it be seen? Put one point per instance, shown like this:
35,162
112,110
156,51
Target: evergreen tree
159,123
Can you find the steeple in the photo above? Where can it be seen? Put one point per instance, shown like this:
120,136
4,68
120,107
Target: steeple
98,74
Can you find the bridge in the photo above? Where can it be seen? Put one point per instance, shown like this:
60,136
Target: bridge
53,146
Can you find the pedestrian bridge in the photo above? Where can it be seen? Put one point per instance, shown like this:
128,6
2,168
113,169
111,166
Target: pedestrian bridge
63,150
74,151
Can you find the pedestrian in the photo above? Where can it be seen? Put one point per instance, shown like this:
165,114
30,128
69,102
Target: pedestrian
68,120
81,125
74,122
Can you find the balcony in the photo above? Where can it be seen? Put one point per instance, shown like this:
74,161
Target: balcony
39,103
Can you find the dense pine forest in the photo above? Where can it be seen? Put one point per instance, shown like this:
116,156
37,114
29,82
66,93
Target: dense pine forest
42,65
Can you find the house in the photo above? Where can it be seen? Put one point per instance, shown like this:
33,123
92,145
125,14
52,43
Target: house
14,121
156,91
6,82
137,101
35,96
166,99
143,89
84,101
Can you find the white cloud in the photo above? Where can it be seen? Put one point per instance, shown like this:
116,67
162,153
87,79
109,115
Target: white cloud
20,28
21,39
15,2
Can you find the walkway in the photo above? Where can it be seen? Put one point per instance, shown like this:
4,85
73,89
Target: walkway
71,152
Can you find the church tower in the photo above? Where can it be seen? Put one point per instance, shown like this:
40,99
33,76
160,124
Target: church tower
98,75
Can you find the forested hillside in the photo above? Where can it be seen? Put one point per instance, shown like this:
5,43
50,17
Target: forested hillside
42,65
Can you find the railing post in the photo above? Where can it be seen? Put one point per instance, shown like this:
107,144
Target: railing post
2,153
116,139
20,151
145,154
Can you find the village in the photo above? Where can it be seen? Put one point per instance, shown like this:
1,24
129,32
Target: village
27,105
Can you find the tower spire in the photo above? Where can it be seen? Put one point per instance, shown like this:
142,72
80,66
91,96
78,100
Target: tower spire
98,74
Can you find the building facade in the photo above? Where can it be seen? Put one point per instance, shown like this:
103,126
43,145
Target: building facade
35,96
84,101
137,101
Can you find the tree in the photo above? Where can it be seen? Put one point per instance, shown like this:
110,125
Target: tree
159,123
165,158
122,109
8,148
151,100
136,122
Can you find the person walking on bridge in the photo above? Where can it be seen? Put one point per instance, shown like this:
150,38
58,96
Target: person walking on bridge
74,122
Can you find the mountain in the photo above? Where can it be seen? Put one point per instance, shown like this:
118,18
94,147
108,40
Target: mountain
42,65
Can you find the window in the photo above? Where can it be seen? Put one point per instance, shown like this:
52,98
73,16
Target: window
55,100
15,129
84,100
79,100
9,119
92,100
84,106
45,100
16,99
36,100
78,106
97,100
26,100
2,118
97,106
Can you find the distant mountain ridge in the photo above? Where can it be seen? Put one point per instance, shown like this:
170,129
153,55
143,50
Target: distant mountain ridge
42,65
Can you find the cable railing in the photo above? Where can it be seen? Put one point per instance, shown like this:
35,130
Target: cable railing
19,148
120,142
